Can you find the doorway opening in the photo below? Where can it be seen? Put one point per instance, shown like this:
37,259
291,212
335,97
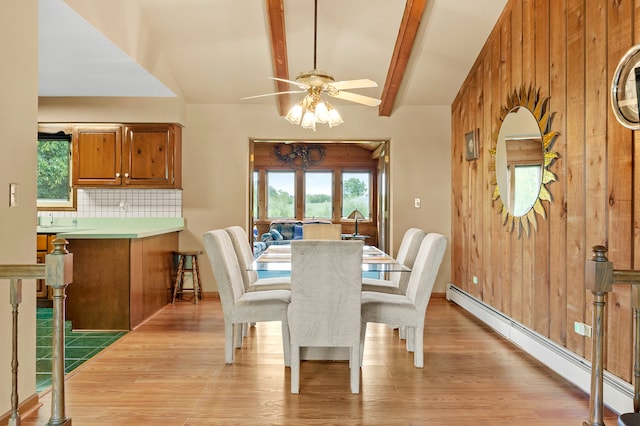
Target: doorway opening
328,180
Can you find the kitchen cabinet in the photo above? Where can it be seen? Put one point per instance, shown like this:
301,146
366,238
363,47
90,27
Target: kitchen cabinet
44,246
119,282
97,155
127,155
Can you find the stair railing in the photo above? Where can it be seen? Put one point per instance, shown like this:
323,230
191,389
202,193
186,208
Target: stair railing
57,273
599,279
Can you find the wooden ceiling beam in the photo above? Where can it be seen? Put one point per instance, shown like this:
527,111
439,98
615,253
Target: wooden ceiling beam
277,32
413,11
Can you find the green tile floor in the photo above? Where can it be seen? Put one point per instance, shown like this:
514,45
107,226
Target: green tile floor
79,346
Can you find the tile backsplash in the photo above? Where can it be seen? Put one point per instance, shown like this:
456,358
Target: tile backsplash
124,203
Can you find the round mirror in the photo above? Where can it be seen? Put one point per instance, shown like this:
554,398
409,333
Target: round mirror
521,159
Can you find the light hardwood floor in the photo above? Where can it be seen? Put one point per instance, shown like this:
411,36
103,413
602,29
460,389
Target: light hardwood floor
171,371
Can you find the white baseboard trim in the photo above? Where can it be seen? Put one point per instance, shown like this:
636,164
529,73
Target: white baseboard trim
617,394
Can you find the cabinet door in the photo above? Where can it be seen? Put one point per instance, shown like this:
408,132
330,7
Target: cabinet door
97,155
149,151
45,245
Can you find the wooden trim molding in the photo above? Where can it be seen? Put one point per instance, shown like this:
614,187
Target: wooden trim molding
24,408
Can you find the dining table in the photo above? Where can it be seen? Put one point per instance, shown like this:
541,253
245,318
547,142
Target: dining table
277,259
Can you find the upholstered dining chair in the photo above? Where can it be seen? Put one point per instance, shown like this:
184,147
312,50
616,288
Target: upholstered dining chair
322,231
397,282
408,310
238,306
325,301
250,279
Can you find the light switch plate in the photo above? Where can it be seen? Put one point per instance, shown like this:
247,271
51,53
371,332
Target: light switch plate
14,195
416,203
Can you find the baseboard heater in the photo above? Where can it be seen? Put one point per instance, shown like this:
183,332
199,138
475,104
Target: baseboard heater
617,394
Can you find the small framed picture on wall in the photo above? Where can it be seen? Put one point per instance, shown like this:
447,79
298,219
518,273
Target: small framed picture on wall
471,145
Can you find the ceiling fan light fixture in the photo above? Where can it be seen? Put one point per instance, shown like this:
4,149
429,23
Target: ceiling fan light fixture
335,119
312,109
322,113
308,120
294,116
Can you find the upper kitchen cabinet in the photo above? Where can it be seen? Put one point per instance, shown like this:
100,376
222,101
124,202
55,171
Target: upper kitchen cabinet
97,155
131,155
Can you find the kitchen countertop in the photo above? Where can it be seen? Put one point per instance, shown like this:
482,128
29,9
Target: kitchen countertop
87,228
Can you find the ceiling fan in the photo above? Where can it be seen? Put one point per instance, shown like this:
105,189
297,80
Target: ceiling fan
316,82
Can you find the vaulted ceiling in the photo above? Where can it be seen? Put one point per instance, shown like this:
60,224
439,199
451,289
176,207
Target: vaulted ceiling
219,51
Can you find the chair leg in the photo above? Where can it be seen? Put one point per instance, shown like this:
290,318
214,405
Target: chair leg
245,330
228,342
286,345
402,330
238,335
411,331
418,350
363,334
295,369
354,368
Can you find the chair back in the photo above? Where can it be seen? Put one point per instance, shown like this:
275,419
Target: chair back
425,269
407,256
326,290
226,268
241,245
322,231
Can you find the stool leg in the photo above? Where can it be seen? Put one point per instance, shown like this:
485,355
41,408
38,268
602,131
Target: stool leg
178,278
196,279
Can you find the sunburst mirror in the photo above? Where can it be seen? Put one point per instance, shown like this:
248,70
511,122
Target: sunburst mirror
521,159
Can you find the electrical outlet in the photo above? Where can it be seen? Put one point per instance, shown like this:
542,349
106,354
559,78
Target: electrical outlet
582,329
417,202
475,279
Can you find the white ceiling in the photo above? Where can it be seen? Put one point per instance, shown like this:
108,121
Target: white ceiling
218,51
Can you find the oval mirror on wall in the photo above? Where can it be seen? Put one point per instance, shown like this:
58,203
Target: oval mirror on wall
521,159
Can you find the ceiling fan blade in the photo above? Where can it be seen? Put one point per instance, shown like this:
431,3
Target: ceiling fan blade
354,97
295,83
353,84
274,94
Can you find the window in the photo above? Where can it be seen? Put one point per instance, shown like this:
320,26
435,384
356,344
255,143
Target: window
318,188
54,189
356,193
280,197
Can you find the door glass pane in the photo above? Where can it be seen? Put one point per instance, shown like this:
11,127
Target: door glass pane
356,193
317,194
256,213
281,198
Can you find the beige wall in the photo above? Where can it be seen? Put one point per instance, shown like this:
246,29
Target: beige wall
216,158
216,166
18,116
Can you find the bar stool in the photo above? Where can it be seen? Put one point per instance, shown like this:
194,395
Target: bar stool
185,258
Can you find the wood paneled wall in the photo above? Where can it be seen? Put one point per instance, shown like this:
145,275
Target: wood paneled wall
569,49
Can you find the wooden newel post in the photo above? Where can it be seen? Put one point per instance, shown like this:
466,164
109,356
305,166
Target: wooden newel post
598,279
59,274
